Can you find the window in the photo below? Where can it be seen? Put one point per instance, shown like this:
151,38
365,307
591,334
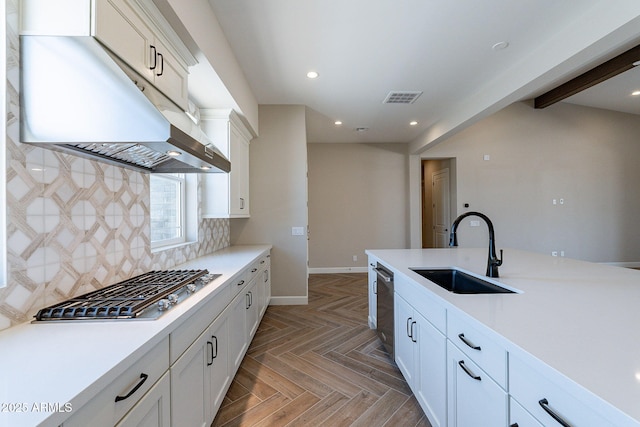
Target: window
168,195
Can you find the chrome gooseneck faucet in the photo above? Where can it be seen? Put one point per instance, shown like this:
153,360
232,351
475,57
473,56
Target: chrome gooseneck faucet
493,262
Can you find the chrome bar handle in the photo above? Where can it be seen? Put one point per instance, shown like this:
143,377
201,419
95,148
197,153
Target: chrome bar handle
384,275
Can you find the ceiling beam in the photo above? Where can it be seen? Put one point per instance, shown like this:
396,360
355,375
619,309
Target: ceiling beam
602,72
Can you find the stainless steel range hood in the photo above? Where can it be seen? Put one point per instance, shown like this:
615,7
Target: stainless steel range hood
79,98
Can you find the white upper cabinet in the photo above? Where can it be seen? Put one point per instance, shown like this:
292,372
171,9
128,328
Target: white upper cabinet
227,195
132,29
123,30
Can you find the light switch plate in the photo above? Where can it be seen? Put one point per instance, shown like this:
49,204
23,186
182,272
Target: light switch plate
297,231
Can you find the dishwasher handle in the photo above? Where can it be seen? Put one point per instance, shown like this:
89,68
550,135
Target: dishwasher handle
385,276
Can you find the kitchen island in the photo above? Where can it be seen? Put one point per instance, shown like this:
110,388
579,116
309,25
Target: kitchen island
52,371
575,321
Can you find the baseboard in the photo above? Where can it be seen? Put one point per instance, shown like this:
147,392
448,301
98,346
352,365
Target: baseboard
289,300
623,264
332,270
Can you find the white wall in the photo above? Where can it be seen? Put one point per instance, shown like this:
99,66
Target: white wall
278,185
197,17
358,200
588,157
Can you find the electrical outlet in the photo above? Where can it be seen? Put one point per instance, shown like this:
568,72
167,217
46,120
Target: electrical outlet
355,258
554,253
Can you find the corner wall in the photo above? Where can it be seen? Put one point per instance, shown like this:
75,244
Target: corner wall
278,183
589,158
358,199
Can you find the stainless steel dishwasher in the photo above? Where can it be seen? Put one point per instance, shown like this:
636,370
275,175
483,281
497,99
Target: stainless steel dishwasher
384,307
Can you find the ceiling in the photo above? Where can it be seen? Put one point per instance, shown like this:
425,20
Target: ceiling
365,49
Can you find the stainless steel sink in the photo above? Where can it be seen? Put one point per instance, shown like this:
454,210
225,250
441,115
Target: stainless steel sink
459,282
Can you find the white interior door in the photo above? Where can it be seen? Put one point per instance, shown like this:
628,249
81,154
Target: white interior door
441,215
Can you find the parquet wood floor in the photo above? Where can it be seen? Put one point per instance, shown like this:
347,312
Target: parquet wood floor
320,365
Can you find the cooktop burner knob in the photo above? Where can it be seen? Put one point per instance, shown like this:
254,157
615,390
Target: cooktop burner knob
191,288
173,298
163,304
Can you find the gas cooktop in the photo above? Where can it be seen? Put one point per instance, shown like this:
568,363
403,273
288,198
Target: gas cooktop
146,296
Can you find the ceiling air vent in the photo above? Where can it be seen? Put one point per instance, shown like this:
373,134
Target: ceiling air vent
404,97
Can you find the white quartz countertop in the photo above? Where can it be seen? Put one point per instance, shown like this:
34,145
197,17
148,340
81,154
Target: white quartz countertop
70,362
580,318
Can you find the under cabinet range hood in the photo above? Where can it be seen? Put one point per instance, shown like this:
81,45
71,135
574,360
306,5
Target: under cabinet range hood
78,97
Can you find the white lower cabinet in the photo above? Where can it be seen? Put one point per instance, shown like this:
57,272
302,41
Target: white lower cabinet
420,353
264,284
238,340
252,305
218,364
474,398
201,376
153,410
129,389
548,401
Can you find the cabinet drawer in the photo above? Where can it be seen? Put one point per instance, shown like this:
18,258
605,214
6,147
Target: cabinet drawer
185,334
535,390
422,301
477,343
519,417
252,271
154,409
103,410
474,398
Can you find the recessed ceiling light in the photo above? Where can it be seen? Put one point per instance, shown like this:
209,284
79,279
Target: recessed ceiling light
312,74
413,123
337,123
635,93
205,168
500,45
173,153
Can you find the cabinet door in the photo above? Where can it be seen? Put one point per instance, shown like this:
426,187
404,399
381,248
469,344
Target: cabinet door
239,175
118,27
169,76
265,283
238,338
218,363
189,386
153,410
474,398
372,294
252,296
430,386
405,328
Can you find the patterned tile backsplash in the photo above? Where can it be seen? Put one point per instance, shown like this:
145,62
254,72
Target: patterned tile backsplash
75,225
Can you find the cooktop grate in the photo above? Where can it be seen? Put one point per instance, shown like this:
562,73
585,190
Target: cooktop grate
123,300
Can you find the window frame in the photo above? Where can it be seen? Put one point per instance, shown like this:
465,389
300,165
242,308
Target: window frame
181,180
